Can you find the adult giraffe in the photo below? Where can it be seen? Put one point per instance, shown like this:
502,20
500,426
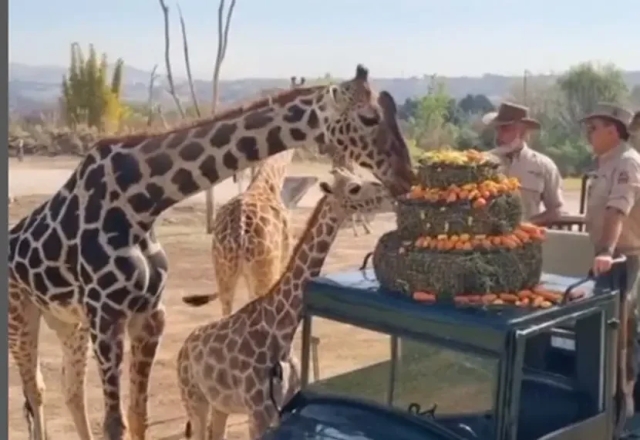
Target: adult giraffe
87,260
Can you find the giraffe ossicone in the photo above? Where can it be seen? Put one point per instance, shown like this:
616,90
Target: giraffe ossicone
87,259
224,367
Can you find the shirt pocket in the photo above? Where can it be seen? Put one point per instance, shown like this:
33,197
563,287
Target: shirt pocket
533,183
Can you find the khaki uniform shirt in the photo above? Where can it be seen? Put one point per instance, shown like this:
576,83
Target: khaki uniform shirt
540,180
616,184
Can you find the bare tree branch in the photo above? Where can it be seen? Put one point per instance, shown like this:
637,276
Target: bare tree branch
223,37
167,57
187,62
152,80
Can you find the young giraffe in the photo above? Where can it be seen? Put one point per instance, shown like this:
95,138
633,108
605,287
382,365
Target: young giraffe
87,260
340,160
252,234
224,367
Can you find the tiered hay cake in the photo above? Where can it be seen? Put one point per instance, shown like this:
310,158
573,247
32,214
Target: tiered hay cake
459,235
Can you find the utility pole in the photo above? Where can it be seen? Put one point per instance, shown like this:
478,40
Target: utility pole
524,85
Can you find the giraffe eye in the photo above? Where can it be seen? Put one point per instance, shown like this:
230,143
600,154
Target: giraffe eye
368,121
354,189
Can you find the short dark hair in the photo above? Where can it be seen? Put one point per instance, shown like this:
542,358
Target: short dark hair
623,132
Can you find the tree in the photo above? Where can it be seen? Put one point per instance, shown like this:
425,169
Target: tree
87,96
430,126
475,105
586,84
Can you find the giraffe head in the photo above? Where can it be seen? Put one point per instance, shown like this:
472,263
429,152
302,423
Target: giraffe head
350,193
363,126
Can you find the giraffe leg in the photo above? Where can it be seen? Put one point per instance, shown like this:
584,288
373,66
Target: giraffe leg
23,331
261,418
145,331
217,424
75,344
366,225
197,408
107,337
354,224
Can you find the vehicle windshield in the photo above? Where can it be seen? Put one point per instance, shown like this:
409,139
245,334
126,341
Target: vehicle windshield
427,375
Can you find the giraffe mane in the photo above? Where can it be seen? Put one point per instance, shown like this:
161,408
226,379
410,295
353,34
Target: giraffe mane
279,98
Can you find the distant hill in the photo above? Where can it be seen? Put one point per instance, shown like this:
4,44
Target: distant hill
37,88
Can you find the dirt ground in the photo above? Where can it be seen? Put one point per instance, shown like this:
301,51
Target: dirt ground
181,231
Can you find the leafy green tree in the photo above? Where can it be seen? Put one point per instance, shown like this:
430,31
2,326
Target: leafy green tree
586,84
88,97
475,105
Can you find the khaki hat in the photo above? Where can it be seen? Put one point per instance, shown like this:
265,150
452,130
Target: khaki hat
509,113
612,112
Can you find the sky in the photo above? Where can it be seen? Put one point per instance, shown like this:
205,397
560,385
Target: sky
393,38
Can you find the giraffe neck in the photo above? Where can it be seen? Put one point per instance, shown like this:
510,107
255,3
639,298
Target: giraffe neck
271,174
153,173
305,263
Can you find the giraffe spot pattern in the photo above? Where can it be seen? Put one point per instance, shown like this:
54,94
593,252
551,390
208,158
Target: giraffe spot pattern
222,135
275,144
248,146
257,119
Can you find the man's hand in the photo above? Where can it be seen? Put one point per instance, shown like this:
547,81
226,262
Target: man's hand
602,264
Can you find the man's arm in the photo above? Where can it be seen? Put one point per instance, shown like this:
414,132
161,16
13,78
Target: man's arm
625,193
611,228
551,196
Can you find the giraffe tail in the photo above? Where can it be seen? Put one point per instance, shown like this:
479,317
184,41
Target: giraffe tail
187,429
199,300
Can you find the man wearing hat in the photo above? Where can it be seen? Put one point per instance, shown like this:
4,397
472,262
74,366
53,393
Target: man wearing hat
613,213
540,180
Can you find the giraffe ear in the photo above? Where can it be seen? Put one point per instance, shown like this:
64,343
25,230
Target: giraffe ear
326,188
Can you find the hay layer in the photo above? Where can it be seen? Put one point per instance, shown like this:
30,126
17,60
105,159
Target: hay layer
445,175
421,218
449,273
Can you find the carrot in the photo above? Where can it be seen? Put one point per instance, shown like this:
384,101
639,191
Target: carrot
486,243
424,297
464,195
521,234
528,227
537,301
515,239
508,297
489,297
545,304
525,294
480,203
464,237
549,295
467,246
459,245
452,197
509,243
526,302
498,302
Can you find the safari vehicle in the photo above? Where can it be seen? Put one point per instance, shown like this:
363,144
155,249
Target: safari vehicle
469,374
